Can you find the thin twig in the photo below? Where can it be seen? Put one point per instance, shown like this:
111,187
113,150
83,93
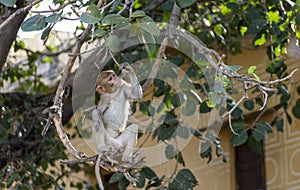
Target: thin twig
56,116
55,10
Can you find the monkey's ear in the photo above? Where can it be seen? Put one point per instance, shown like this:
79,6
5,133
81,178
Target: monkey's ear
100,89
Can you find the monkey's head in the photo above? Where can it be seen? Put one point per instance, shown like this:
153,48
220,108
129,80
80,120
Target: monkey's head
107,82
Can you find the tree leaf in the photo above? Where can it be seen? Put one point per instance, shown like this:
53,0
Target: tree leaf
165,132
116,19
137,14
178,99
53,18
170,152
8,3
146,108
185,3
255,146
100,33
92,17
116,177
184,180
147,24
149,173
189,108
113,42
279,125
251,70
183,132
249,104
298,90
296,109
37,22
141,177
204,108
237,140
206,151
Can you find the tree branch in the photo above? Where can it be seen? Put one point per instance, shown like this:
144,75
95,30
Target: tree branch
55,113
173,23
9,29
55,10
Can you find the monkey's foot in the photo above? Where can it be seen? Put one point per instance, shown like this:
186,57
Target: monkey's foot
133,161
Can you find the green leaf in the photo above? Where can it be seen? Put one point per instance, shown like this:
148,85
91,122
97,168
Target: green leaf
213,99
260,40
116,19
149,173
204,108
233,6
170,118
185,3
137,14
275,66
113,42
147,24
249,104
149,41
206,151
146,108
53,18
8,3
255,146
251,70
34,23
184,180
189,108
296,109
170,152
279,125
116,177
100,33
237,140
123,184
260,132
164,132
297,18
183,132
298,90
178,99
93,16
141,177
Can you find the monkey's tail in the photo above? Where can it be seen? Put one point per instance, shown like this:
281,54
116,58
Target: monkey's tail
97,171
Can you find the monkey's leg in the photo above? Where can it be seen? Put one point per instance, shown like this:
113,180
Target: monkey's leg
128,139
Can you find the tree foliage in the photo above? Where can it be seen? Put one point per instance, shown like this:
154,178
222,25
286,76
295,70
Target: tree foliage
30,161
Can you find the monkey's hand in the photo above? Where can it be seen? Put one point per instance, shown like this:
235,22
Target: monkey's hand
126,68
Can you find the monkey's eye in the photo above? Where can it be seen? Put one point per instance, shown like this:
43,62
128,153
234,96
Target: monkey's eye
110,78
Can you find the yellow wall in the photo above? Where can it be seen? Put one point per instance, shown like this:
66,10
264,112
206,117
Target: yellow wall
282,150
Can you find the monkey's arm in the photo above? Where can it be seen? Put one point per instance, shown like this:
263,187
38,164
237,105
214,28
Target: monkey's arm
134,92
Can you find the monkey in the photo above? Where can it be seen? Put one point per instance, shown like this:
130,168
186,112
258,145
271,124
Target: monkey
110,118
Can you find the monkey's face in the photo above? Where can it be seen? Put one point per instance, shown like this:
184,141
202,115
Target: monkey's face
108,82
